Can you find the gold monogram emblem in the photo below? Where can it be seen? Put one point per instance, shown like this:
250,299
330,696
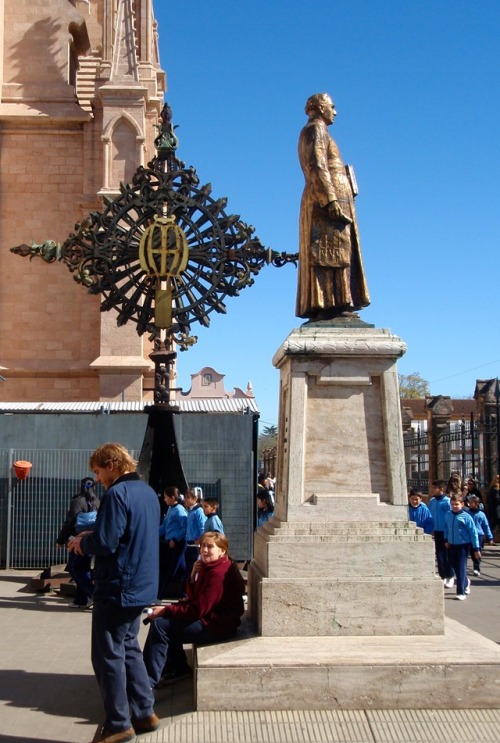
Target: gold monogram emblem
163,253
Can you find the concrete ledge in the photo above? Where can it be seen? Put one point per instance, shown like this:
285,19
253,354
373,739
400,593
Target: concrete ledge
450,671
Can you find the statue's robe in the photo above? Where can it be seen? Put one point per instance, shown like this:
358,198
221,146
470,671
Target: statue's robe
331,276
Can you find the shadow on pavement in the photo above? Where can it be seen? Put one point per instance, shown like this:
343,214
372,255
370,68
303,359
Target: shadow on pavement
175,700
62,695
38,603
24,739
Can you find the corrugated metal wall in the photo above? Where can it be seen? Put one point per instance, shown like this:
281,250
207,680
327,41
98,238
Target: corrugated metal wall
217,452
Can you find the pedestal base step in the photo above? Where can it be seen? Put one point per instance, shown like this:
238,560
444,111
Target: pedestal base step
458,669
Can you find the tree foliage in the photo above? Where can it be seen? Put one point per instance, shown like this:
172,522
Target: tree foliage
413,386
268,438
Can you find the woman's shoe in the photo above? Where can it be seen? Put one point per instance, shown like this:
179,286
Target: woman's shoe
171,677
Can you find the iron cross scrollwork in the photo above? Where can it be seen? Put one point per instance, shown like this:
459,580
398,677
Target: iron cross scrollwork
164,253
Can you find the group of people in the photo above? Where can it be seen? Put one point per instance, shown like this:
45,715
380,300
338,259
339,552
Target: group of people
125,545
187,518
456,518
265,498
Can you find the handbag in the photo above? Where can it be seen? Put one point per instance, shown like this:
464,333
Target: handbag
85,521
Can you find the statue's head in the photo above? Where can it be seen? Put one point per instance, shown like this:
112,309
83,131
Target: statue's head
320,105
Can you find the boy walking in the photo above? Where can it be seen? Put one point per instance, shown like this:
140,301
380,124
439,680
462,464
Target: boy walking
483,529
439,506
460,537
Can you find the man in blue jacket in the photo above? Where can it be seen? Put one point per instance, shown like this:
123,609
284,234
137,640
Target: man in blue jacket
125,545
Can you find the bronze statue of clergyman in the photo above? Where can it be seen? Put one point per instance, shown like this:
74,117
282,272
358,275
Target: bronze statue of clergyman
331,278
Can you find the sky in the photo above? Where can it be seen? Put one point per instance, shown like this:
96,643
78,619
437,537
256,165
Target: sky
418,118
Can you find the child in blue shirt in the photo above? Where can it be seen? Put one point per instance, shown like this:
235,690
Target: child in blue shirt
483,529
195,527
210,507
419,513
439,506
460,536
172,540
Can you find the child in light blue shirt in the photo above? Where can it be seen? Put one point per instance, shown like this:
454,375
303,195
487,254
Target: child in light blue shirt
210,507
419,513
483,529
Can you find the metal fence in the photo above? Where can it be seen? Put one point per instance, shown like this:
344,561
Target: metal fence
469,447
417,460
33,510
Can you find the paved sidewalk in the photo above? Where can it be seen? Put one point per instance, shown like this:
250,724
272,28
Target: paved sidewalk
48,691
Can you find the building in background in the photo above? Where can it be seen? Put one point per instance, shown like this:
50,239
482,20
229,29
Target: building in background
81,91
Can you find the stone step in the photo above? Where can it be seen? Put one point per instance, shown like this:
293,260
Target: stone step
297,528
458,669
342,556
349,604
354,536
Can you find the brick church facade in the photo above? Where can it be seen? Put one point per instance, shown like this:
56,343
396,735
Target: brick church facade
81,91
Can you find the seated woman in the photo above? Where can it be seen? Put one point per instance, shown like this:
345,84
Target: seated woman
210,612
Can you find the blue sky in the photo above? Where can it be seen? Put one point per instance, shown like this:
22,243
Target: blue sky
414,85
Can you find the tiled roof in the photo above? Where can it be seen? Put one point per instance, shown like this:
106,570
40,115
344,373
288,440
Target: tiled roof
461,408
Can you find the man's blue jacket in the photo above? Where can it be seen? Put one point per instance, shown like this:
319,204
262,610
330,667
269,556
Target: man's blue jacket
125,543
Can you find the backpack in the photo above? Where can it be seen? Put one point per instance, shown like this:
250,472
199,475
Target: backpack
85,520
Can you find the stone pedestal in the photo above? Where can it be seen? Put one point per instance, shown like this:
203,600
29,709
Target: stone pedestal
343,595
340,557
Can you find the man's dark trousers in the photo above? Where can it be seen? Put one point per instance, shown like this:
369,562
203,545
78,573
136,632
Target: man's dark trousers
114,647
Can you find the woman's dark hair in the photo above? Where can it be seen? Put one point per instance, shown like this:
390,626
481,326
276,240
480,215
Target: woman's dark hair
267,499
87,490
173,492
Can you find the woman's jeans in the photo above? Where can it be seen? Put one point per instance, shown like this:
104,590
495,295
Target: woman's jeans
164,645
79,569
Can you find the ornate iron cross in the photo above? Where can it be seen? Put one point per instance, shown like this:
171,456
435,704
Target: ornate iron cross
164,253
